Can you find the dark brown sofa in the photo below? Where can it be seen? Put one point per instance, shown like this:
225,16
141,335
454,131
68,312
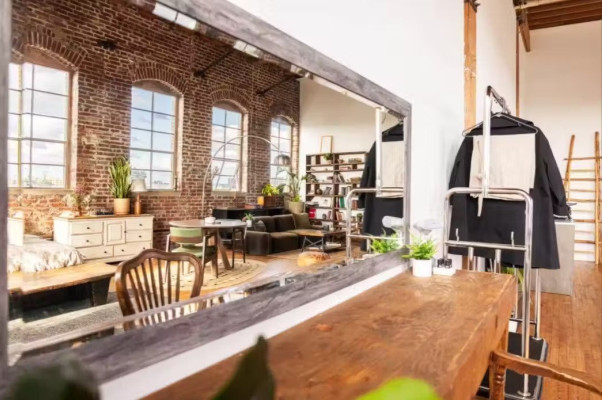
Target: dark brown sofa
278,235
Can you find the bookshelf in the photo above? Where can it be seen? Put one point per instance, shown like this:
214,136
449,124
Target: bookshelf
335,178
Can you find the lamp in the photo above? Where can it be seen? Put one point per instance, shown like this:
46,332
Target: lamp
282,160
138,186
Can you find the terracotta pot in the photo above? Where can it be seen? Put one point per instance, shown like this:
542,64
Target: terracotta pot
121,206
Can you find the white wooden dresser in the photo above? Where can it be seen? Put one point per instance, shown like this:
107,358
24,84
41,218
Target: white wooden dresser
106,238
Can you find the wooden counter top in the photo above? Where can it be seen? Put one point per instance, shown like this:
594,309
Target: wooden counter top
440,329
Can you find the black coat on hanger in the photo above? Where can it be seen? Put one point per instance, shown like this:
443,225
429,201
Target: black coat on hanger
377,208
499,218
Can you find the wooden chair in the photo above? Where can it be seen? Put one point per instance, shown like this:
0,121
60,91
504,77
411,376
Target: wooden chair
140,285
194,241
501,361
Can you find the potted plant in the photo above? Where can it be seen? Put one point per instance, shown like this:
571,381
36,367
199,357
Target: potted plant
295,204
248,219
328,157
271,195
360,218
422,251
121,185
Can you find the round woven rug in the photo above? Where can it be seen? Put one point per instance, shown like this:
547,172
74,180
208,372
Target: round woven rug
241,273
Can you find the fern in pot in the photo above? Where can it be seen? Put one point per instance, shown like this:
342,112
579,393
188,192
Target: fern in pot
422,251
121,185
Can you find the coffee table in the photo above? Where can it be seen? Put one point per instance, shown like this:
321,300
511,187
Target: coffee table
318,238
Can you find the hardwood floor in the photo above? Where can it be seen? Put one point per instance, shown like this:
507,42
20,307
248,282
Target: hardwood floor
573,328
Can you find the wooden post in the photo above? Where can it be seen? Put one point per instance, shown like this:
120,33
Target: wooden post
470,64
567,174
597,199
5,53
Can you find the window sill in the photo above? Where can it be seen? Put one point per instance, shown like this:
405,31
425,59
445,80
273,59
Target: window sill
39,191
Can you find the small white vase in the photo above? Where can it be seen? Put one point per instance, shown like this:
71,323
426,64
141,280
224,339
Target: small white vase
422,268
249,223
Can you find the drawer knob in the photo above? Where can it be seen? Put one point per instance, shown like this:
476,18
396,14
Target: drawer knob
140,236
106,252
139,224
87,241
122,250
87,227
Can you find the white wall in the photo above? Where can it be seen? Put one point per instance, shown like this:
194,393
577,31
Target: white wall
496,51
412,48
561,86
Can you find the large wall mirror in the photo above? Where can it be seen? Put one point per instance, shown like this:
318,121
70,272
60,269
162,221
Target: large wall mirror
270,163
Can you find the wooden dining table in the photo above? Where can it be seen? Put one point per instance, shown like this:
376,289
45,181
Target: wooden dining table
219,226
441,329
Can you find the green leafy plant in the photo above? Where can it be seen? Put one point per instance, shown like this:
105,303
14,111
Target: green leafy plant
519,272
248,216
328,156
403,389
294,185
382,246
121,172
270,190
421,248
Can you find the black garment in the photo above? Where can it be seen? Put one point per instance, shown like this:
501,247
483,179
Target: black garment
377,208
499,218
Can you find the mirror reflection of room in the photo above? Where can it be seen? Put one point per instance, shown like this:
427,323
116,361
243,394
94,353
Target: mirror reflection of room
123,160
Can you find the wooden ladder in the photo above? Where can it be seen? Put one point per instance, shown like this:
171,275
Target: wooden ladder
585,195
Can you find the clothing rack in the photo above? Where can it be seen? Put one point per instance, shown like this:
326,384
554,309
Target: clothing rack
490,96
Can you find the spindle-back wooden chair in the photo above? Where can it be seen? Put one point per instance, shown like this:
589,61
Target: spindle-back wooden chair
145,282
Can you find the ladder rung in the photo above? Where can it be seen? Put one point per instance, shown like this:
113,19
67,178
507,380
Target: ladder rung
585,251
583,170
582,190
582,231
584,179
582,200
582,158
585,221
585,241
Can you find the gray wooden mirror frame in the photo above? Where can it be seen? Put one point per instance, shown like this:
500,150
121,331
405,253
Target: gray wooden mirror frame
149,345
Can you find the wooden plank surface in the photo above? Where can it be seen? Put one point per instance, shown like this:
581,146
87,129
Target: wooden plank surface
35,282
440,329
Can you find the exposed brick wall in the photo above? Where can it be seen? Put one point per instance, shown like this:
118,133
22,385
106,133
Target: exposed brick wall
147,48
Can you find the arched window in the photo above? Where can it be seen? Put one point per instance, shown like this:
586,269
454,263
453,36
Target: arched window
227,124
154,121
281,137
39,120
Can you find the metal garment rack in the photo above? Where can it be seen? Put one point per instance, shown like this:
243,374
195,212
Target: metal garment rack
378,190
526,248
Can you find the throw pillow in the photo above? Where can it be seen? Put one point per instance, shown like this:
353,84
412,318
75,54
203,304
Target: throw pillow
259,226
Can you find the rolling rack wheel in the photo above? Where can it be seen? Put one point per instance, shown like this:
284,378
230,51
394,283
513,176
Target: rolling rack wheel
514,381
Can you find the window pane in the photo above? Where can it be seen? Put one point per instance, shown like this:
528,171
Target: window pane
49,128
13,148
285,146
233,119
140,159
26,125
142,99
219,116
47,176
13,101
163,142
215,146
49,104
140,174
161,180
165,104
285,131
230,168
13,175
13,76
48,152
26,151
274,129
13,125
164,123
50,80
25,182
231,134
140,139
232,152
141,119
27,76
217,133
162,162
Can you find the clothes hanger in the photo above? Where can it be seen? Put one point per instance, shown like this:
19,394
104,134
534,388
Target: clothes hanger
505,116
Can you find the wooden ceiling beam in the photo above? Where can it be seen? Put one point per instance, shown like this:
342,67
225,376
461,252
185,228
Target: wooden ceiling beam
566,22
564,17
562,5
534,14
523,29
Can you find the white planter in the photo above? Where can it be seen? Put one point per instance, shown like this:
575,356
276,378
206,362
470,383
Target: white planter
249,223
422,268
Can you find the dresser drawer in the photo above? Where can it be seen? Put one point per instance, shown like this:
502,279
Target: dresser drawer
138,236
90,253
94,239
131,249
133,224
78,228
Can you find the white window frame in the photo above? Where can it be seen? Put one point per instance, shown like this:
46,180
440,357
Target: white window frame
217,173
276,141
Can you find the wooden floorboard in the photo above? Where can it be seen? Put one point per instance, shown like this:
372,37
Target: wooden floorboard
573,328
